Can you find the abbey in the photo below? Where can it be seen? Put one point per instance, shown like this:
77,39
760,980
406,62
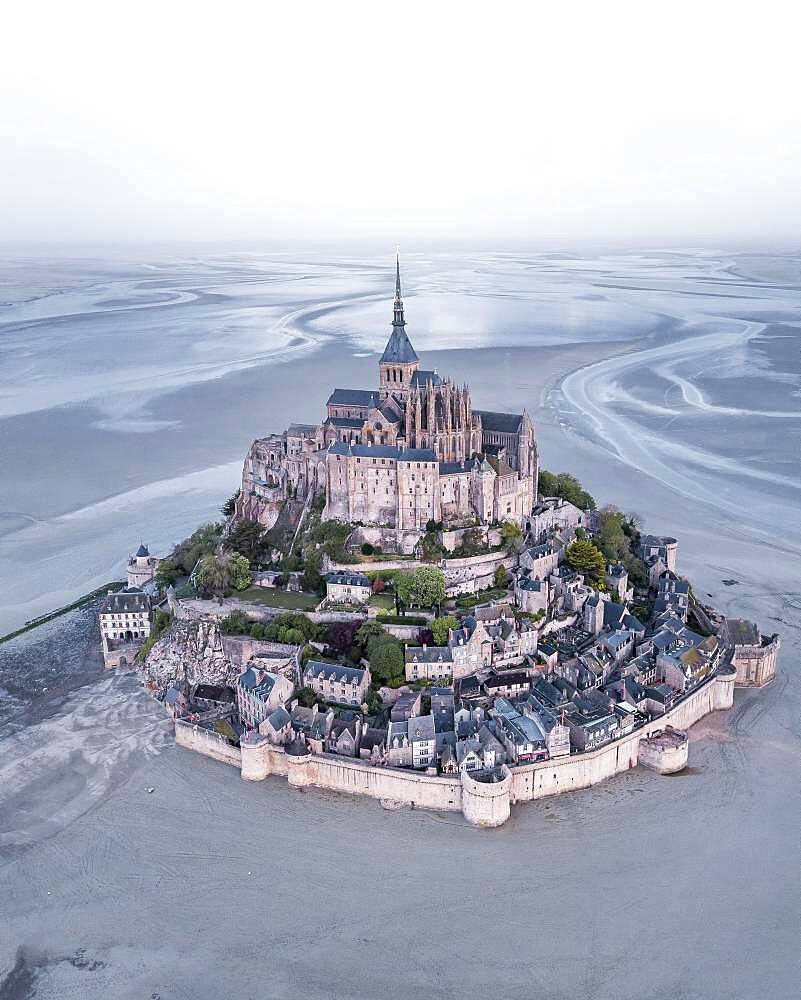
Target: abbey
410,451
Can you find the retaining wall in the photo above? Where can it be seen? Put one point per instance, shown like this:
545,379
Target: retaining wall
207,742
482,803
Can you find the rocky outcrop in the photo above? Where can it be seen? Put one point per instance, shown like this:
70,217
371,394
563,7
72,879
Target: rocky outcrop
191,651
195,650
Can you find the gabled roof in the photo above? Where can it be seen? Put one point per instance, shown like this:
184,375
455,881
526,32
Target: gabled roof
126,601
502,423
355,397
142,550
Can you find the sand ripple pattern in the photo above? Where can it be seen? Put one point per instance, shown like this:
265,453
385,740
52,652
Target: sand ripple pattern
57,770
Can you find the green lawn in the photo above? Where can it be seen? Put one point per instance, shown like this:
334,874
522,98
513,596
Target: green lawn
383,600
272,597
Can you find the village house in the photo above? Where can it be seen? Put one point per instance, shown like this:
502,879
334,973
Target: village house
399,749
337,683
344,735
259,693
348,588
311,725
423,738
522,735
428,662
277,727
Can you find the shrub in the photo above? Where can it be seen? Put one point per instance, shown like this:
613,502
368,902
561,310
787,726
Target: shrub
440,627
401,620
386,658
367,549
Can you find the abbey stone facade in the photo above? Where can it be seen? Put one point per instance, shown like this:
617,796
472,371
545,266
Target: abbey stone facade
397,456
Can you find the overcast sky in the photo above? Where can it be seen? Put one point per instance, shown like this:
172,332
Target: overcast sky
400,121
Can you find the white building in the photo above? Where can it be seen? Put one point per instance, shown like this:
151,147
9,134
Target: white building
348,588
124,619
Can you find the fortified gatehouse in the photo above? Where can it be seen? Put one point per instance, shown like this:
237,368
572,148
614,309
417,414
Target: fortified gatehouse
412,450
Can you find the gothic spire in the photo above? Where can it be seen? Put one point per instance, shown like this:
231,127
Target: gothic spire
398,319
399,349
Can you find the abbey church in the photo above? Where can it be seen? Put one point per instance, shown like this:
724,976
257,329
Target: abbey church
410,451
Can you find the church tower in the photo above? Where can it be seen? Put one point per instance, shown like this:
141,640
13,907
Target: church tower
398,362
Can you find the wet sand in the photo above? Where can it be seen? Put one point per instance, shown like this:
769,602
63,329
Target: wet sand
642,887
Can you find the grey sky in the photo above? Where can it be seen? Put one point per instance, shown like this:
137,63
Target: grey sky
400,121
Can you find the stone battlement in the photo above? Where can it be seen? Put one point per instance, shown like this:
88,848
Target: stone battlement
483,803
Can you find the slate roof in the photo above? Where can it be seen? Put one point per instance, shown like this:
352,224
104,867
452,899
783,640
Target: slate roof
372,737
421,727
354,422
315,668
383,451
349,579
279,718
258,682
431,654
422,377
297,430
501,467
399,350
454,468
502,423
356,397
142,550
128,601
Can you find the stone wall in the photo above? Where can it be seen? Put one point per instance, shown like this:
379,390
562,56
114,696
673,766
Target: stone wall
482,803
209,743
550,777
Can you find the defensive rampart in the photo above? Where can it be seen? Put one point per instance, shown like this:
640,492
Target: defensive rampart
207,742
483,803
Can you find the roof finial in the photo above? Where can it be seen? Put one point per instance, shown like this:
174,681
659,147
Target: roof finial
397,273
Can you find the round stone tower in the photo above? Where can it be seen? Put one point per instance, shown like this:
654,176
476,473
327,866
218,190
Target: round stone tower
487,803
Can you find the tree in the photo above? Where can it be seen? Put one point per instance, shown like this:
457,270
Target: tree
218,575
229,506
340,636
565,486
501,576
211,577
440,627
249,539
367,549
166,574
238,569
307,697
368,632
236,623
635,567
386,659
510,532
424,586
585,558
612,539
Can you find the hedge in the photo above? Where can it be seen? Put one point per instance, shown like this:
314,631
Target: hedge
401,620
